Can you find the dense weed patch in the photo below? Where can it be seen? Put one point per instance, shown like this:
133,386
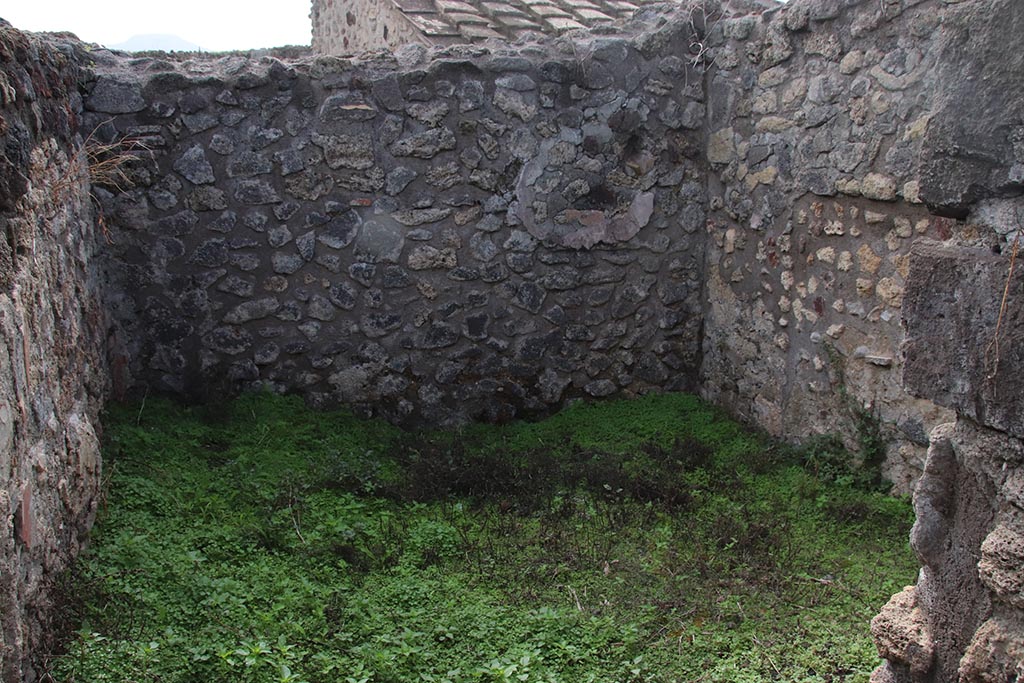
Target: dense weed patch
643,541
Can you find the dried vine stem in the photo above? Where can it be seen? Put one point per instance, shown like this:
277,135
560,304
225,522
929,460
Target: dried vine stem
993,347
700,30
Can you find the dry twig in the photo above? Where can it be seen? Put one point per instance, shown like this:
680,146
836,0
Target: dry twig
993,348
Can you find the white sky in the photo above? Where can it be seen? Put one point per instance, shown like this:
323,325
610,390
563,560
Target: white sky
214,25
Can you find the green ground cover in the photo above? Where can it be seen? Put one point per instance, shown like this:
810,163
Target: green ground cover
651,540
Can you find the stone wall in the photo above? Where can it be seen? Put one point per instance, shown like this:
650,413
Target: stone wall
346,27
964,319
463,233
433,237
817,117
53,374
964,620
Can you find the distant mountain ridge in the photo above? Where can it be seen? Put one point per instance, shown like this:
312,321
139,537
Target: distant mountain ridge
156,41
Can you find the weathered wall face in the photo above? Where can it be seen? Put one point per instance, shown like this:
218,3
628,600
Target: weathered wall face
817,115
964,620
964,319
309,225
973,149
346,27
53,375
467,235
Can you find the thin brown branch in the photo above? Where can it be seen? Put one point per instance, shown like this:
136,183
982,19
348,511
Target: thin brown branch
994,346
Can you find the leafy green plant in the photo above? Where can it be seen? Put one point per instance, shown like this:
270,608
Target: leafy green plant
865,469
647,541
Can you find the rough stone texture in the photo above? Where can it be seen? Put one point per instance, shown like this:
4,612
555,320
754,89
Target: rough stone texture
996,653
817,113
353,26
974,145
966,609
903,636
963,347
508,212
53,374
968,606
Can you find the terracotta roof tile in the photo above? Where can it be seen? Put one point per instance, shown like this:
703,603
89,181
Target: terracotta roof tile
478,32
463,18
517,22
593,15
500,8
447,21
415,5
545,11
560,24
433,26
455,6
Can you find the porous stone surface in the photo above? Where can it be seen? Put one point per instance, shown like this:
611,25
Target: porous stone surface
961,622
903,636
53,372
962,315
964,338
